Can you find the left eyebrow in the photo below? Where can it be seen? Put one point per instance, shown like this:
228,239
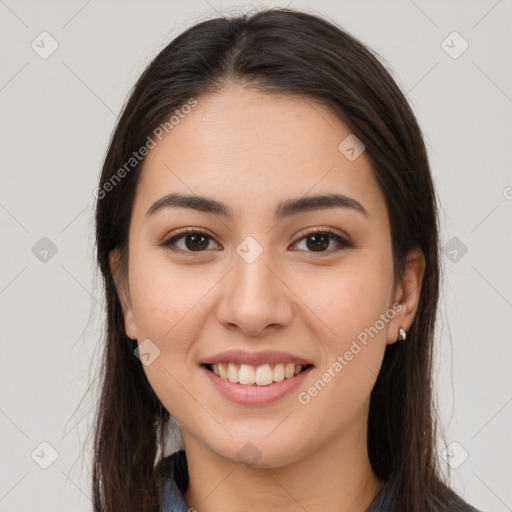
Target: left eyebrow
284,209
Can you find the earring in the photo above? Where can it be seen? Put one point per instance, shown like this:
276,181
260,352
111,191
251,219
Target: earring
402,335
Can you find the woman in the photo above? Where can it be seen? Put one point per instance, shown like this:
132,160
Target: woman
267,233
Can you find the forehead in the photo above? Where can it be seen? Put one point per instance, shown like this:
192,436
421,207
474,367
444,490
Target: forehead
242,146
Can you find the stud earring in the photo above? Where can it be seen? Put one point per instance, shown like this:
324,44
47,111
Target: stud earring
402,335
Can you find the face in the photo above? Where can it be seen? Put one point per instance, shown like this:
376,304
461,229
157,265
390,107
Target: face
256,281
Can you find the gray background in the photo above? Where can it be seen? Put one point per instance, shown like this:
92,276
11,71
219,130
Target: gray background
57,116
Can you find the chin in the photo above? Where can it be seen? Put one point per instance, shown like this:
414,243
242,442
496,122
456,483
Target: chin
260,454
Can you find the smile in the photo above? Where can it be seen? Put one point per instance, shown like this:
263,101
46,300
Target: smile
262,375
254,393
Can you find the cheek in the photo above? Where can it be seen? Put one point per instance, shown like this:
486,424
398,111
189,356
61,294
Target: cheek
164,297
346,300
165,307
352,341
350,307
166,302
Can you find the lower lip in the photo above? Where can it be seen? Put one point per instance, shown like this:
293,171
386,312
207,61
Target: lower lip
256,395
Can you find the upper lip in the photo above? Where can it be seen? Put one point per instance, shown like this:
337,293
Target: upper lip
254,358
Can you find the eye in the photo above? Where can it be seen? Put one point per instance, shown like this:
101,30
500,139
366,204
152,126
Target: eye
196,240
317,240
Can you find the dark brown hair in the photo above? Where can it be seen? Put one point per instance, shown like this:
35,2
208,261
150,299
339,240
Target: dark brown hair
279,51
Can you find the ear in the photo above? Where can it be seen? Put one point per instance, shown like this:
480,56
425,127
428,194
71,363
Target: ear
123,292
407,294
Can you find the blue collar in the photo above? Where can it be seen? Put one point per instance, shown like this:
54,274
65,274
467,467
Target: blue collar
173,499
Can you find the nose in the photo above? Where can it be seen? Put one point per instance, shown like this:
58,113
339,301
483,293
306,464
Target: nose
254,298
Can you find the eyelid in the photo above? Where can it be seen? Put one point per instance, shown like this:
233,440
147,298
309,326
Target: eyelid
319,230
333,234
169,241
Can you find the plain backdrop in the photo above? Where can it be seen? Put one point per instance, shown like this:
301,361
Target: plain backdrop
66,69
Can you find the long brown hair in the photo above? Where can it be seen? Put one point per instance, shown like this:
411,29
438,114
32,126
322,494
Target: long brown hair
287,52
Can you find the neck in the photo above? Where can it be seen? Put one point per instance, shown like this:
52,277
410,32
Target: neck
336,475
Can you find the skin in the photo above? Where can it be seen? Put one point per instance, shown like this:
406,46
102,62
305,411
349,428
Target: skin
311,303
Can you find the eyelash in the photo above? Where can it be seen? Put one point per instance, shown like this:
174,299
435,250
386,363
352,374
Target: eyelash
168,244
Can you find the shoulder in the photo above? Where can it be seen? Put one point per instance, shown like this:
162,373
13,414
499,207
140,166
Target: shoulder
464,506
459,504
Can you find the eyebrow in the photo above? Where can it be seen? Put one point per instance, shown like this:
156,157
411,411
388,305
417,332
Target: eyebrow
284,209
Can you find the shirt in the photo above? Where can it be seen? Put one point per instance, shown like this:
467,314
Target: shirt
172,499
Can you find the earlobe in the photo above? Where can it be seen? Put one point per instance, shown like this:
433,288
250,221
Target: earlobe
123,293
408,294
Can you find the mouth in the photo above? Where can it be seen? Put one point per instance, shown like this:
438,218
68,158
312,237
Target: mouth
256,386
256,376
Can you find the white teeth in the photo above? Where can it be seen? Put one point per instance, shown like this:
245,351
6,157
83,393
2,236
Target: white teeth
223,373
264,375
289,370
246,375
278,375
261,375
233,372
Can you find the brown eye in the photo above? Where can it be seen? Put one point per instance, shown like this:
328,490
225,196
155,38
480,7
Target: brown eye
317,241
196,242
192,240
